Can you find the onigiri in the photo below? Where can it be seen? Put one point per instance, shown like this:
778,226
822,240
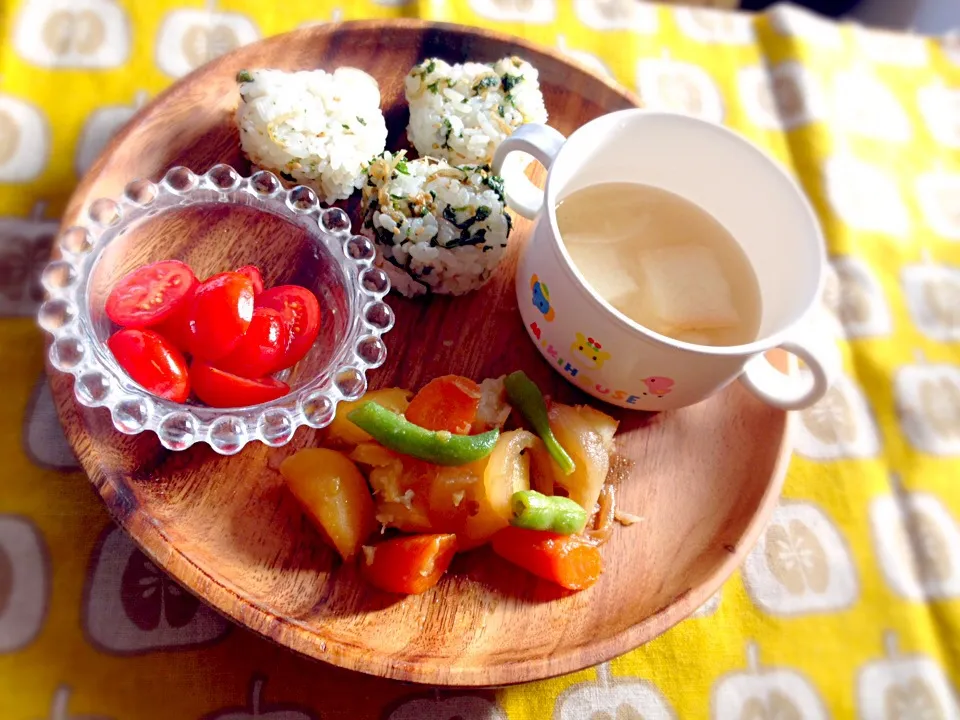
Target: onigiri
312,127
437,228
461,113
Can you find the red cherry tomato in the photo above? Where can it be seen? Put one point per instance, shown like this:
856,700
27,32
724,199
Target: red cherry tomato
150,294
222,389
301,313
152,361
261,347
221,313
253,272
176,328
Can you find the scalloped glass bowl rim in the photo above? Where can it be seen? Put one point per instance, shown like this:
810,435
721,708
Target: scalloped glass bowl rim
100,382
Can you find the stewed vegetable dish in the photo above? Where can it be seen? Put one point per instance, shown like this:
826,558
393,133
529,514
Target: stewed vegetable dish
457,466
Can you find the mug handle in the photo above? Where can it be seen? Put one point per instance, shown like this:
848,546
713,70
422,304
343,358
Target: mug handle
820,353
541,141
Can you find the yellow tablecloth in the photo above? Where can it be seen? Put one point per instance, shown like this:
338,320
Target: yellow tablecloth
850,605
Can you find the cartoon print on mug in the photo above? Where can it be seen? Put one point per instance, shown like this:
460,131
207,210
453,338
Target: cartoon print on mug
24,140
541,298
917,543
938,193
658,385
590,351
189,37
760,692
617,15
132,607
904,687
612,698
783,97
576,374
24,582
90,34
927,399
257,708
522,11
801,565
940,107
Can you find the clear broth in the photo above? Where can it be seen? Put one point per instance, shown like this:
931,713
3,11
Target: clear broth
615,231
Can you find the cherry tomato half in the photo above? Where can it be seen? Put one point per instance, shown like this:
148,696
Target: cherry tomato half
253,272
261,347
221,313
150,294
222,389
152,361
176,328
301,313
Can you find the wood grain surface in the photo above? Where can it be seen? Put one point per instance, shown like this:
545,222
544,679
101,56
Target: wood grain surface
704,478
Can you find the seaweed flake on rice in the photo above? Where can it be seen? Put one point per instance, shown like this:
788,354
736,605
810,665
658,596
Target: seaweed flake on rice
312,127
437,228
461,113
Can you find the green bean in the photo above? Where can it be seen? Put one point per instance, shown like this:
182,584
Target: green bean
526,397
439,447
535,511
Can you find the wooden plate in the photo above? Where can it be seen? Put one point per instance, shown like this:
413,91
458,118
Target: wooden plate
705,478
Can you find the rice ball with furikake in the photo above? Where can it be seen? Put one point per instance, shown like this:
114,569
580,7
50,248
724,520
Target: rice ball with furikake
312,127
462,113
437,228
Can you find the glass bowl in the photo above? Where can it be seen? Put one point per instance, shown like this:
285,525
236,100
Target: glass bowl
215,222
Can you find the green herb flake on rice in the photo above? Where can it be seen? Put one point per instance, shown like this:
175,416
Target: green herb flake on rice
437,228
461,113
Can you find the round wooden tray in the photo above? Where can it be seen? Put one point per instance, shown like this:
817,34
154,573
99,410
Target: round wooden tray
704,478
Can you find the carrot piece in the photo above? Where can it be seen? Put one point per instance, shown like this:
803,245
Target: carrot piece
408,565
448,403
566,560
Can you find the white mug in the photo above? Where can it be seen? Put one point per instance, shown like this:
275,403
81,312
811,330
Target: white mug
607,354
